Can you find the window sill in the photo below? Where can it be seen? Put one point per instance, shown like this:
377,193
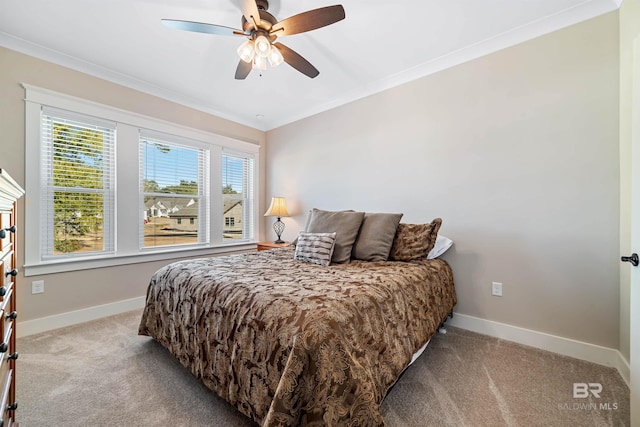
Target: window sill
66,265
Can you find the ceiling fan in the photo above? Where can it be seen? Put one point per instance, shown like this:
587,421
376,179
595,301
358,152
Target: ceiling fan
262,29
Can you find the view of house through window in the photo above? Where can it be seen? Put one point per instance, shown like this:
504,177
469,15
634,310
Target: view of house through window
237,196
79,157
111,185
173,180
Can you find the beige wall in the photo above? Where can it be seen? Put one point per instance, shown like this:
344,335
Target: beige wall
629,30
73,291
516,151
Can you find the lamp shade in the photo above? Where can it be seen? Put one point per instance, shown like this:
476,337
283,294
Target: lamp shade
277,207
246,51
262,46
259,63
275,57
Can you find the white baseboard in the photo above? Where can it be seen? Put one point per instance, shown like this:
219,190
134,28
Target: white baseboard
35,326
565,346
622,365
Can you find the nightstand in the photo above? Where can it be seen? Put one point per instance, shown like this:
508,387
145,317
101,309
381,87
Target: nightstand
265,246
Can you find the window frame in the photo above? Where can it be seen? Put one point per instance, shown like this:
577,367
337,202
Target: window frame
251,198
49,188
128,126
203,196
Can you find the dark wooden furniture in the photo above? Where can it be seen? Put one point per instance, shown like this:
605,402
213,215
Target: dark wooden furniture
10,192
265,246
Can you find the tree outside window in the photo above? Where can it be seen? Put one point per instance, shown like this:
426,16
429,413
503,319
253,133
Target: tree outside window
79,156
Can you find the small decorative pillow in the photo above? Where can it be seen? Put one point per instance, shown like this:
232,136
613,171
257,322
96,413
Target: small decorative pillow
414,241
315,248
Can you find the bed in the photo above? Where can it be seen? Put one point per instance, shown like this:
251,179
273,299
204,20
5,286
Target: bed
294,343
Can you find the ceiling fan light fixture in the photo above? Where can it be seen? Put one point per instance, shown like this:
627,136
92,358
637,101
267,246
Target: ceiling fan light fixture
275,57
262,46
259,63
262,29
246,51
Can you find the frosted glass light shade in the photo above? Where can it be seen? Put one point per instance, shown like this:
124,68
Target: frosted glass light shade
275,57
246,51
262,46
259,63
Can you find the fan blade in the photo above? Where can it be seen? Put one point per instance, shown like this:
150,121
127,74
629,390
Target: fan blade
250,11
201,27
292,58
243,70
307,21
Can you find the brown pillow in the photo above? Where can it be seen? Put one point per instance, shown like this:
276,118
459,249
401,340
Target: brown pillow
346,226
376,236
414,241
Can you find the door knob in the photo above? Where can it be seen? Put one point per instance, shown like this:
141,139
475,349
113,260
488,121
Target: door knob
633,259
3,232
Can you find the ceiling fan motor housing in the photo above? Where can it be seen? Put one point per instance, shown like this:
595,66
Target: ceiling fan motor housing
267,20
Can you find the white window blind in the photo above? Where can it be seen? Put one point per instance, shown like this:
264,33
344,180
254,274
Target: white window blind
174,191
238,196
87,205
78,182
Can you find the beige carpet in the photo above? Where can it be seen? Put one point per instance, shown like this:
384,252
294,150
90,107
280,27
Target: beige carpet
102,373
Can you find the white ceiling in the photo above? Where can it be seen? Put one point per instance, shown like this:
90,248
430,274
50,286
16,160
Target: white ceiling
379,44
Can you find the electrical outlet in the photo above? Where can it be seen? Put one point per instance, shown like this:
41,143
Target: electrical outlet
496,289
37,287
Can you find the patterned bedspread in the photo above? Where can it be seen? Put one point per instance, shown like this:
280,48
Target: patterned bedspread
292,343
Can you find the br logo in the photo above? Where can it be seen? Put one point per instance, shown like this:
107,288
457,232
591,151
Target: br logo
582,390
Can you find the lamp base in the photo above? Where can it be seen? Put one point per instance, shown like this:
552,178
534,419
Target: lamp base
278,227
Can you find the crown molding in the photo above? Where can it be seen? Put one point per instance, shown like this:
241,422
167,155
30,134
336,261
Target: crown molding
56,57
566,18
582,12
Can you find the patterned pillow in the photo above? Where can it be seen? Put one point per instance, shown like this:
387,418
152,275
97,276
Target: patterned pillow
414,241
315,248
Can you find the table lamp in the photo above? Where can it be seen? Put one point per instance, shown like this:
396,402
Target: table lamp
277,209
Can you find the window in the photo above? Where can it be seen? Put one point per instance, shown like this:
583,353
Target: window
110,187
78,165
237,196
173,188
